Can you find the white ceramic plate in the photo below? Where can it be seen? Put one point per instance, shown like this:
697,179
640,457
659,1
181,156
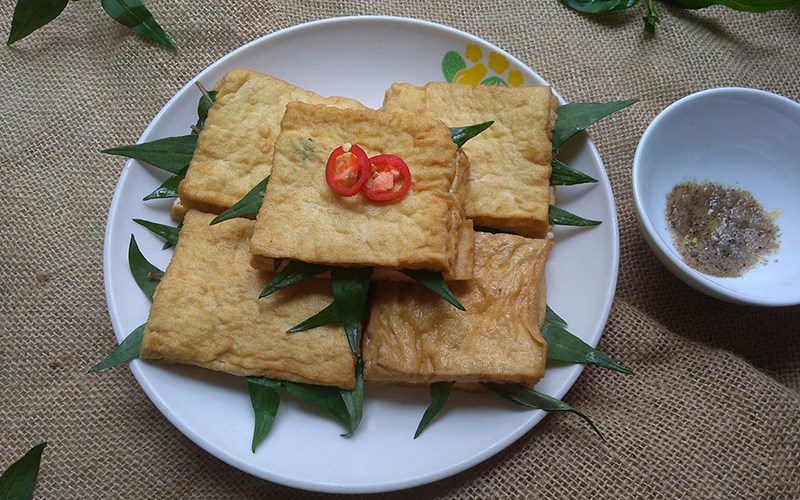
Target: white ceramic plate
358,57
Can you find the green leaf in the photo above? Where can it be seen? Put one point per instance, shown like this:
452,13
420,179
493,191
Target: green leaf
440,391
141,269
30,15
205,103
564,346
740,5
324,398
127,351
248,205
172,154
265,396
433,280
19,481
532,399
350,294
551,317
169,233
572,118
452,64
134,15
326,316
294,272
560,217
651,18
463,134
564,175
169,188
354,400
599,6
495,81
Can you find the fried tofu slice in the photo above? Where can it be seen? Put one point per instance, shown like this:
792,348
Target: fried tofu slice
414,337
206,312
510,161
234,150
301,218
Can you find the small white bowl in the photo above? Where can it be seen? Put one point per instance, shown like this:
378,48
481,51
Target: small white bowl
738,137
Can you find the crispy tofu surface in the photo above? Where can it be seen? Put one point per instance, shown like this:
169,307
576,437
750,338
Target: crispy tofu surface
415,337
510,161
301,218
234,151
206,312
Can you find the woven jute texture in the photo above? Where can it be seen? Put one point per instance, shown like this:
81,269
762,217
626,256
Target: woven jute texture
712,411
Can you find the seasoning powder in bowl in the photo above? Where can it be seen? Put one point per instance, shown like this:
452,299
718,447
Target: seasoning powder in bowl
718,230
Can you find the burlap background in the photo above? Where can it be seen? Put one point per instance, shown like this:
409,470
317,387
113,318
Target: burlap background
712,411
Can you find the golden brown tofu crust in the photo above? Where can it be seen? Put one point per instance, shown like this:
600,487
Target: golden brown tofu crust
234,150
510,161
414,337
206,312
301,218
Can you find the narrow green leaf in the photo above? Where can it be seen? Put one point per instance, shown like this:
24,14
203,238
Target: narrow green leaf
433,281
30,15
265,396
350,294
248,205
127,351
324,398
651,18
294,272
740,5
551,317
564,175
463,134
440,391
560,217
599,6
134,15
205,103
18,482
495,81
169,233
572,118
141,269
452,64
532,399
326,316
354,400
169,188
564,346
172,154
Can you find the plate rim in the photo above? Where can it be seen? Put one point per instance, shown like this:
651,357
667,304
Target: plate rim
328,487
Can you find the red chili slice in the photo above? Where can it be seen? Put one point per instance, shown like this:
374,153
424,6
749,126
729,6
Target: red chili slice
384,174
347,171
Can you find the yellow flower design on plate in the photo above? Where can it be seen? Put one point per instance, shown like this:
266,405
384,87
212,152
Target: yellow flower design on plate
498,63
473,52
455,68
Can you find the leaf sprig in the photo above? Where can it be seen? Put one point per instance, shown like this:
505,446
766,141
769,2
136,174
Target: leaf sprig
440,391
346,406
565,347
19,480
30,15
172,154
529,398
349,306
651,17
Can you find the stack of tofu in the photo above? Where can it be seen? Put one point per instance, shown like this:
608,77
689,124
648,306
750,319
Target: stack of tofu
207,311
